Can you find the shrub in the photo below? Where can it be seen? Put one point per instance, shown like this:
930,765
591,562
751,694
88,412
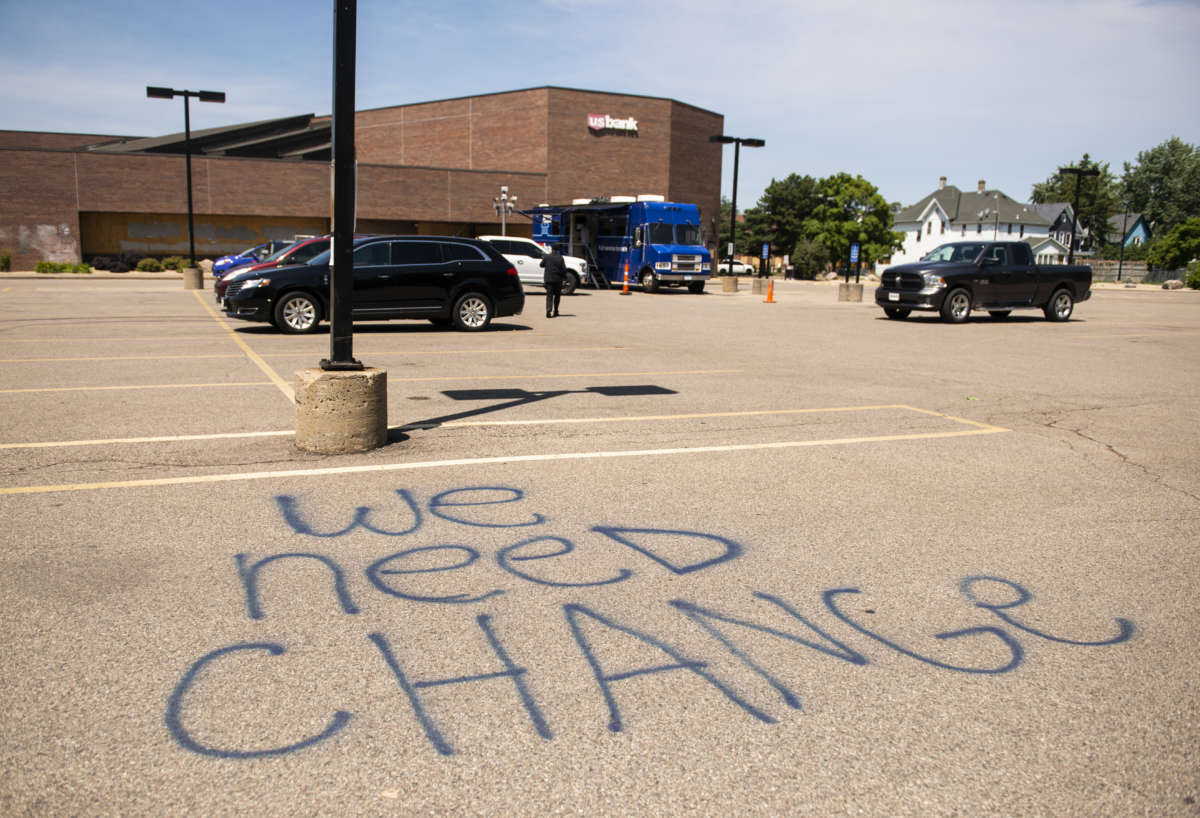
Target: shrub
5,262
1193,275
102,262
150,265
63,267
176,263
118,266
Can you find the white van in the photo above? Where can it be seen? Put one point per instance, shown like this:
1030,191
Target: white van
526,255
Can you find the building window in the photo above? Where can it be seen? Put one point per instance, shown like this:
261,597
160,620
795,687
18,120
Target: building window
928,228
1010,228
943,228
978,229
1022,231
964,230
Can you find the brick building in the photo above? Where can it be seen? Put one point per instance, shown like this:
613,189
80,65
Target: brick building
431,168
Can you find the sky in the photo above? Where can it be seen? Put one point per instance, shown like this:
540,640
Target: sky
900,93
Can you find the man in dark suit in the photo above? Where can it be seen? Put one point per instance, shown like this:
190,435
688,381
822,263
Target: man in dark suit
555,272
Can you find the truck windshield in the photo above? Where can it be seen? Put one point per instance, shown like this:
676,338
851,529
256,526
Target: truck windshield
688,233
662,233
954,252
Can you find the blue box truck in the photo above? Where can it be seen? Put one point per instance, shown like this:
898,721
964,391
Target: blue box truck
656,243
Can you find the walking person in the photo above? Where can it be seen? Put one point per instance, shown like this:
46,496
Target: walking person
555,272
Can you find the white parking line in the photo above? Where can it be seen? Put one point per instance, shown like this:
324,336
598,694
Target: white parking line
483,461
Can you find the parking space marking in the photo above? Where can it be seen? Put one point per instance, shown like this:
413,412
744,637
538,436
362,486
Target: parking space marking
283,385
482,461
301,354
102,340
143,386
980,429
53,444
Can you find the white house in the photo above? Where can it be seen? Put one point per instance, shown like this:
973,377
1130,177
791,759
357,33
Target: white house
949,214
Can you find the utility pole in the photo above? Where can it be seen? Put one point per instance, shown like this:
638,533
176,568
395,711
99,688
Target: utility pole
1078,173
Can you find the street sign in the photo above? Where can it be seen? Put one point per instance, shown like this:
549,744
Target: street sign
765,250
854,253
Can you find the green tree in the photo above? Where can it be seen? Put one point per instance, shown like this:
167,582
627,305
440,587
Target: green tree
1164,184
741,244
1174,250
781,212
850,209
1099,196
809,258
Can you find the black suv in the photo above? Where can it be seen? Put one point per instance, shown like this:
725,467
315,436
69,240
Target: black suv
446,280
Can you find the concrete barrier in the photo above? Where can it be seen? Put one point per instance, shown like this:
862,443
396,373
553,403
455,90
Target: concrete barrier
729,284
193,278
341,412
849,292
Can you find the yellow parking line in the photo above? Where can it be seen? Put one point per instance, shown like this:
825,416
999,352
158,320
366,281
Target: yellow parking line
299,354
102,340
483,461
117,358
283,385
146,386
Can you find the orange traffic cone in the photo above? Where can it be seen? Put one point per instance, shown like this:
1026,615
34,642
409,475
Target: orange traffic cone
625,289
770,299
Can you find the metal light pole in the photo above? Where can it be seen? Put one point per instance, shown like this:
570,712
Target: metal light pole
503,205
1078,173
341,272
737,141
1124,228
156,92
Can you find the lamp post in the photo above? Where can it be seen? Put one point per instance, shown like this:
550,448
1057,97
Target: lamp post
155,92
1078,173
737,141
503,205
1124,229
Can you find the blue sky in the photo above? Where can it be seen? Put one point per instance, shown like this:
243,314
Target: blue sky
901,93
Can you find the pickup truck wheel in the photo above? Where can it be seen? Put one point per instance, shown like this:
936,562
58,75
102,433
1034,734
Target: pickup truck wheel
649,282
297,314
570,283
1060,306
472,312
957,307
999,315
896,313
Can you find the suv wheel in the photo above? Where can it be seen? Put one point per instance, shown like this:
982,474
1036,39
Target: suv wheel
297,314
649,282
472,312
570,283
957,307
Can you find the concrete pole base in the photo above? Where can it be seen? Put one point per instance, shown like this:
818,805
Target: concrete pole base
759,286
849,292
193,278
341,412
729,284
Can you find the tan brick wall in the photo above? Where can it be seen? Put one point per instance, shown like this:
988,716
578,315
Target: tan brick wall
39,213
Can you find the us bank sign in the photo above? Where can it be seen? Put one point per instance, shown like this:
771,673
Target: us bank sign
604,122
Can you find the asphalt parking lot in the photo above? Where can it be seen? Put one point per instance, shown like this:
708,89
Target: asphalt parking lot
665,554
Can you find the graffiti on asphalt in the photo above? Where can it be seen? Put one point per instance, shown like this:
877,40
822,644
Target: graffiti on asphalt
435,575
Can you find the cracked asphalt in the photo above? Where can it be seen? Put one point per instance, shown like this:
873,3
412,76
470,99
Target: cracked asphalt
663,555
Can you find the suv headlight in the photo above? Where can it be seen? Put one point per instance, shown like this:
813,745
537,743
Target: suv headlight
255,282
933,281
662,265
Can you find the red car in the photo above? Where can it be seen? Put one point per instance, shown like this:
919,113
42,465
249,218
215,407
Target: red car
297,253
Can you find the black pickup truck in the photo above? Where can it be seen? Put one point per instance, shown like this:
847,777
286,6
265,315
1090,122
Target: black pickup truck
997,276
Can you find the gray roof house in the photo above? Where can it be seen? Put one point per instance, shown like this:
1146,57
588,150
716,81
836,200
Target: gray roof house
951,214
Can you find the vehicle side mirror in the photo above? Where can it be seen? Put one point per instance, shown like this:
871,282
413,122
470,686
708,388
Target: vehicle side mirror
988,261
637,237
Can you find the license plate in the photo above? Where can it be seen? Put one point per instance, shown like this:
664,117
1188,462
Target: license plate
893,296
687,278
